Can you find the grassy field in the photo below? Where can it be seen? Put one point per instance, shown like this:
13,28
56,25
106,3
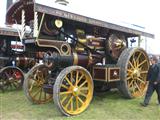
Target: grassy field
105,106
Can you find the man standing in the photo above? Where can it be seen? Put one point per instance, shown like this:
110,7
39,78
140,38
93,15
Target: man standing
154,81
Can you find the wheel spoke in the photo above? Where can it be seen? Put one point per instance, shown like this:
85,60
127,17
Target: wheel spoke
129,77
83,84
72,104
143,72
130,83
80,99
134,88
83,94
15,85
142,63
40,94
134,61
131,88
69,101
14,73
17,81
77,74
66,92
84,88
6,74
37,92
71,76
129,70
138,87
41,77
32,85
141,80
138,57
77,103
68,81
7,86
131,64
64,86
64,98
80,78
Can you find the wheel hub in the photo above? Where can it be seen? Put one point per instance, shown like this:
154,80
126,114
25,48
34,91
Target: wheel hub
11,79
75,91
40,83
136,73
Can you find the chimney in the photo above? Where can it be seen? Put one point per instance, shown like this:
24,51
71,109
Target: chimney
9,3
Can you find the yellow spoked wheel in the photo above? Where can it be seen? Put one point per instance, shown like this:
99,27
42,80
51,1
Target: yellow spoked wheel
73,90
134,64
34,83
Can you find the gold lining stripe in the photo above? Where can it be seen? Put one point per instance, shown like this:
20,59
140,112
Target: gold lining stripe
51,46
100,68
79,49
45,24
68,52
40,26
82,40
75,58
109,74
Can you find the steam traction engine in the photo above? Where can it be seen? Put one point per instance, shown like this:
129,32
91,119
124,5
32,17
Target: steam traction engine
79,55
11,76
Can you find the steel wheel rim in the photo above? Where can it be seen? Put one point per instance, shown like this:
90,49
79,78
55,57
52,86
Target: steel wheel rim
11,78
36,80
137,69
75,92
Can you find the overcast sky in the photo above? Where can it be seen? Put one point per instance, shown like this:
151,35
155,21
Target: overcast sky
140,12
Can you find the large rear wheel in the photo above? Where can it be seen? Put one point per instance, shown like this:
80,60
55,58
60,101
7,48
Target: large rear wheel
73,90
34,83
134,65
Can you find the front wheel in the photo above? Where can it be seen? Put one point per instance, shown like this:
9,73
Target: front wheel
34,83
73,90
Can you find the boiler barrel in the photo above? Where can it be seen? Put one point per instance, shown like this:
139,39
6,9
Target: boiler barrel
64,61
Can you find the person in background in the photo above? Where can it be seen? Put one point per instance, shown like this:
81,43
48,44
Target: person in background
153,77
159,60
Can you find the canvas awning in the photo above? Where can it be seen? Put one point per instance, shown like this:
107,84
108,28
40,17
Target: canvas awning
51,8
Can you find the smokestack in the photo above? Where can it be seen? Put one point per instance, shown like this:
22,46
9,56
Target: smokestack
9,3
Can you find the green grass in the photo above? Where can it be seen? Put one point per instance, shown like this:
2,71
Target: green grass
105,106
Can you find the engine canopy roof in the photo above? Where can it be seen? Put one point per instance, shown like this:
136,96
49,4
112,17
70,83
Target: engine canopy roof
67,12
